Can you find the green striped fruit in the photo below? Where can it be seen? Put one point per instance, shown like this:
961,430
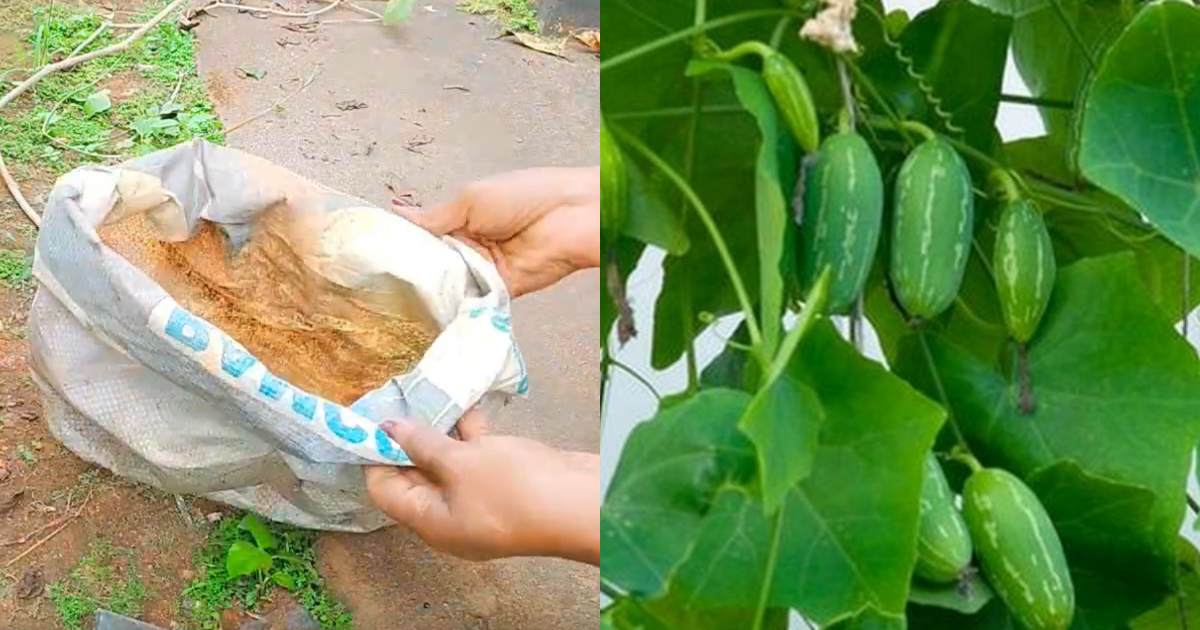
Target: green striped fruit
931,228
792,99
1024,267
843,214
943,544
613,186
1019,551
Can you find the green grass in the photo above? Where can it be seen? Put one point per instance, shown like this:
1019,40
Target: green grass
167,105
25,454
515,15
104,578
214,591
16,268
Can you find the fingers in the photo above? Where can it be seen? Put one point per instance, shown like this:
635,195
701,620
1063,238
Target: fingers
473,425
407,497
426,446
438,220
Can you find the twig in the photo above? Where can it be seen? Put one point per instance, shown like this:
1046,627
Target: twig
364,10
87,42
249,9
312,77
71,62
52,534
15,191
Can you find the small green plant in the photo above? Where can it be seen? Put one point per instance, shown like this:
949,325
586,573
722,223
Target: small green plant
104,578
26,454
515,15
16,268
245,558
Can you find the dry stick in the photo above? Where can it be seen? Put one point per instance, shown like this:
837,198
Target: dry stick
87,42
70,62
249,9
52,534
312,77
15,191
365,10
73,61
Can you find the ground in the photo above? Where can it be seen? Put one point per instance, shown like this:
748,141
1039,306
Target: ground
446,102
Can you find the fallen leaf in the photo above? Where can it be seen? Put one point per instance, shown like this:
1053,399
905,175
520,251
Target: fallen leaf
548,45
302,27
4,473
461,88
418,141
32,584
10,499
351,104
397,11
284,42
590,38
247,72
97,103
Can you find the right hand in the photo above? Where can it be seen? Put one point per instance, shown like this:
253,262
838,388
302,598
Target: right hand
536,225
491,496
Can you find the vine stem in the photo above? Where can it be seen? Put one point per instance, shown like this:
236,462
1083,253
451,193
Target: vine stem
769,574
637,377
780,29
669,112
739,288
1075,36
689,323
684,34
1187,289
873,92
1192,503
937,381
1036,100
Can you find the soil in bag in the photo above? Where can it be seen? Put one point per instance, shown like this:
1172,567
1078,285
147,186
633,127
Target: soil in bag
311,332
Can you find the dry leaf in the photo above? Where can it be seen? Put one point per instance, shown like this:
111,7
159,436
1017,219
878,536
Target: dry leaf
590,38
31,585
548,45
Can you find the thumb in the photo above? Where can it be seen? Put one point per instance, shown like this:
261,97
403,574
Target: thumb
426,446
438,220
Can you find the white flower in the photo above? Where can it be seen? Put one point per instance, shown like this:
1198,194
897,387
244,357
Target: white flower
831,27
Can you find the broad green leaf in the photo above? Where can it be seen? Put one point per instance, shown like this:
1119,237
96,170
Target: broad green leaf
397,11
845,537
965,88
993,616
244,558
967,597
1118,394
1081,233
783,421
870,619
97,103
261,533
1054,64
669,470
651,219
283,579
1184,603
771,211
1102,524
1141,123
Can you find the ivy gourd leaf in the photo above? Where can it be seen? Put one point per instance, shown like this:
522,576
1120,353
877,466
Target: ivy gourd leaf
956,94
993,616
870,619
1185,603
1141,122
783,420
668,473
1118,394
772,218
651,220
845,536
1055,44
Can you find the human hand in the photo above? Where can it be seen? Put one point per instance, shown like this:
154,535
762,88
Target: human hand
491,496
536,225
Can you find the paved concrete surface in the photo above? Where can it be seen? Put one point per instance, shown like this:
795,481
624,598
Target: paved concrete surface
422,130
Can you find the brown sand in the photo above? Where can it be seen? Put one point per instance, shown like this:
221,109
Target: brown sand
308,331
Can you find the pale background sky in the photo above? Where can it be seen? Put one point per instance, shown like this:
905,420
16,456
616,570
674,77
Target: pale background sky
628,403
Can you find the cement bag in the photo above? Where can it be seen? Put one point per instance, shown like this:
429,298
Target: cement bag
242,342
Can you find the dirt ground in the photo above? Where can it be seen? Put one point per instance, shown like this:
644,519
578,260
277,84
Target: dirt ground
446,102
